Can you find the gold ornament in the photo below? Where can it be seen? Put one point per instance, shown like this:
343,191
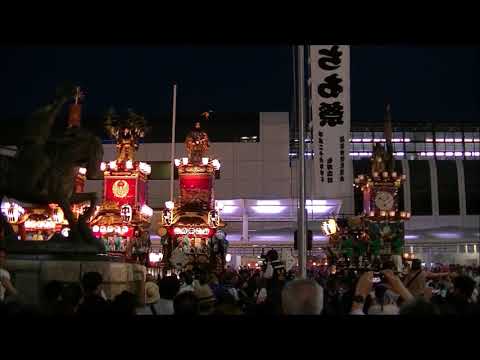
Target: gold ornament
120,188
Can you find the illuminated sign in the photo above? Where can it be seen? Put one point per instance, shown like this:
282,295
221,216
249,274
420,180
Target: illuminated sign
191,231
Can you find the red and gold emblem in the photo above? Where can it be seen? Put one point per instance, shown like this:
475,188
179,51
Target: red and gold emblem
120,188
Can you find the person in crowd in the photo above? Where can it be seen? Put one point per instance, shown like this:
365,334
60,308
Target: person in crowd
70,299
186,304
275,275
6,287
364,288
52,297
169,287
124,304
152,298
93,302
204,294
419,308
186,278
227,304
228,284
302,297
416,279
383,301
459,301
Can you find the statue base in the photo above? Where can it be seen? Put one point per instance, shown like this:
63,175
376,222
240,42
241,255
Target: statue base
30,273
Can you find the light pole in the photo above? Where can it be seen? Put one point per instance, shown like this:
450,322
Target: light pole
302,238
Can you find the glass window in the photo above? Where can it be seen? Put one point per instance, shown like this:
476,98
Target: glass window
447,178
472,186
420,188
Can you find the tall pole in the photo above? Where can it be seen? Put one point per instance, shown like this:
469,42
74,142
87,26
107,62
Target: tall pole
302,238
172,150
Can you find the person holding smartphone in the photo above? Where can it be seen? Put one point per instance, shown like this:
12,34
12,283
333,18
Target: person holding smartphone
365,284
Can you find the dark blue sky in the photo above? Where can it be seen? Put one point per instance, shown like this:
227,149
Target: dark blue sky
423,83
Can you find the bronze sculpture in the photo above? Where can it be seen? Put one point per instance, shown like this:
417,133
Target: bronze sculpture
44,168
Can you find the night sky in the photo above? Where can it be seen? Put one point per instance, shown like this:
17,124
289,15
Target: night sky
439,84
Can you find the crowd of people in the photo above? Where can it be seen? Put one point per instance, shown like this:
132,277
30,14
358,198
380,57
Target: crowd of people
269,290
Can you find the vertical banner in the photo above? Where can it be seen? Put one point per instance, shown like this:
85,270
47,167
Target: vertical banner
330,102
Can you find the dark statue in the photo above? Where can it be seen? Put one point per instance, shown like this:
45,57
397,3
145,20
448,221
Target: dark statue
44,168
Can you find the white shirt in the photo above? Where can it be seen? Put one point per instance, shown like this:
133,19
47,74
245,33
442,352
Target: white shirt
4,274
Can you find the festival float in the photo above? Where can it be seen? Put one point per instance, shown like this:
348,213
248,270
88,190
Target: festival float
191,230
123,218
40,223
378,234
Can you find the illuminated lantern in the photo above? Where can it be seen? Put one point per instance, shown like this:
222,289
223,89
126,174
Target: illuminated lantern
216,164
129,164
205,160
103,229
113,165
96,228
392,213
177,162
169,205
109,229
228,258
82,171
124,229
185,161
103,166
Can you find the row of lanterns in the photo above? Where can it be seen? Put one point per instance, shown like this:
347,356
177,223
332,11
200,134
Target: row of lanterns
122,230
391,213
129,165
205,161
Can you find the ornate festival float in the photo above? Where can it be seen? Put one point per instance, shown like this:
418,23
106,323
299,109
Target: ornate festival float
123,218
190,228
378,234
40,222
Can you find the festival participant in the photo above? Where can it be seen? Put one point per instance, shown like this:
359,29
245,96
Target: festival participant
416,279
70,299
302,297
152,297
204,294
123,304
364,286
186,278
6,287
186,304
459,301
93,302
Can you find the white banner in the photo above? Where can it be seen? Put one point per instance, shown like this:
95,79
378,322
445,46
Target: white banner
330,109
